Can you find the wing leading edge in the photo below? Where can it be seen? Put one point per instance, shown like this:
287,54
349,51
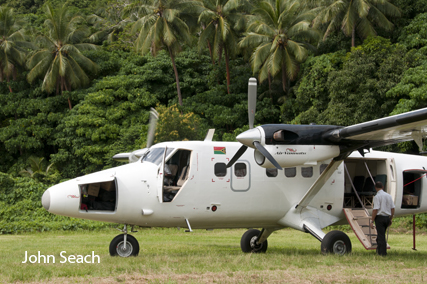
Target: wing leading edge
384,131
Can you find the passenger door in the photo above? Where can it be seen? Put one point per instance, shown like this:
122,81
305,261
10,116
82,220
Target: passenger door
160,177
240,176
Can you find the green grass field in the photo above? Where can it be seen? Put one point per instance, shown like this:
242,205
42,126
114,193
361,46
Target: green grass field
172,256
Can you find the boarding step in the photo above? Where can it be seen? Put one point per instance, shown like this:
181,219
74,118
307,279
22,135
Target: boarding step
360,221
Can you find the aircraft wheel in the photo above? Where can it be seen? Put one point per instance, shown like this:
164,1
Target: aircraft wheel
248,242
117,246
336,242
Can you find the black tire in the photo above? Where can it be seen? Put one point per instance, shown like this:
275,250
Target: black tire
248,242
336,242
116,246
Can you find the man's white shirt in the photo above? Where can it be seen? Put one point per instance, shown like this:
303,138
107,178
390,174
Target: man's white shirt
383,203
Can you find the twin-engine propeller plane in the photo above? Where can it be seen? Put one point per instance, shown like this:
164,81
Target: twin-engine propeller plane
328,178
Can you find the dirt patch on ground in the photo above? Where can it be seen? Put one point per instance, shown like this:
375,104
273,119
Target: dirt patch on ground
296,275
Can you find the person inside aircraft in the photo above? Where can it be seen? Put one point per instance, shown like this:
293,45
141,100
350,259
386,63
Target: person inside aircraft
176,172
168,179
240,170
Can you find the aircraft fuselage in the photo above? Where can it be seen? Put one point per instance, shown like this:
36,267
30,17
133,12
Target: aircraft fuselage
243,196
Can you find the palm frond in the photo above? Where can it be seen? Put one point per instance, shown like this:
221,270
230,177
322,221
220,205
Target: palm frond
297,50
259,56
365,28
376,16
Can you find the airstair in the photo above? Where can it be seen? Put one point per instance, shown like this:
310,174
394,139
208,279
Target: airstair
360,221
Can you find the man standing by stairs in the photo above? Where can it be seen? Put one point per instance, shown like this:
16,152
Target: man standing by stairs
382,214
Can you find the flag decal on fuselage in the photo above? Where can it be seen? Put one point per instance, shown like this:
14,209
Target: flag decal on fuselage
219,150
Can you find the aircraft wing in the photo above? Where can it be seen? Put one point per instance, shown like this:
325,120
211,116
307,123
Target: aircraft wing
389,130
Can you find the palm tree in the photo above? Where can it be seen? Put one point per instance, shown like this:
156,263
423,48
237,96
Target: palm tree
13,44
161,25
108,22
221,20
36,169
355,16
279,35
60,61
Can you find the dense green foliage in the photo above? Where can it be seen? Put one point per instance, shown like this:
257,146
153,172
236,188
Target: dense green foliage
82,91
20,209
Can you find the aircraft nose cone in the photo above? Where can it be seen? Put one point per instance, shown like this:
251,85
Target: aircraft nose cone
46,200
248,137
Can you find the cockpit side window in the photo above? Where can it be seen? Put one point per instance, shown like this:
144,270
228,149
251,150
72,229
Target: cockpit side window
155,155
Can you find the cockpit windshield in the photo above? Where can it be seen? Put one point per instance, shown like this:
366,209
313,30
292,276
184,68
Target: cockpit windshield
155,155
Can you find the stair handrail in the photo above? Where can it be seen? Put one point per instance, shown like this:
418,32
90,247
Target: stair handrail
373,182
358,197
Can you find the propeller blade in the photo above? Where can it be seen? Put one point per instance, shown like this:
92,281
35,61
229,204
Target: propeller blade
154,116
252,90
267,154
236,156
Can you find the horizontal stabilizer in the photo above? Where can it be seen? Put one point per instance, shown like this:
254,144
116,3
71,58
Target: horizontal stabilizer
130,157
122,157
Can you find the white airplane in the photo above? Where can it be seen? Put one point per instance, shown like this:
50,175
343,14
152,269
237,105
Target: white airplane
327,179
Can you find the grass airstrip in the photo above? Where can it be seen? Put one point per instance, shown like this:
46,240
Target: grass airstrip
173,256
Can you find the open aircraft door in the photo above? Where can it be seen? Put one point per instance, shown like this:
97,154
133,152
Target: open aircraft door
391,173
414,180
98,193
160,177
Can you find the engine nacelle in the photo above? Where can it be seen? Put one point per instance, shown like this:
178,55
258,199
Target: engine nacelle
296,155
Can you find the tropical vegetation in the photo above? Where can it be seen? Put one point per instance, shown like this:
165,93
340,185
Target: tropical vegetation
78,78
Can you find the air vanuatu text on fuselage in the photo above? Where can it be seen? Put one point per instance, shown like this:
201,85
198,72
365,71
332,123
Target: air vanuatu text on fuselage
291,152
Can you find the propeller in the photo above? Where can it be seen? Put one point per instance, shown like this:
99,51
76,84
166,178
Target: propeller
267,155
238,154
154,116
252,92
135,155
252,137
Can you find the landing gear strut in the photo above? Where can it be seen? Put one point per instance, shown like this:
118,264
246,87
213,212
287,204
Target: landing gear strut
249,242
124,245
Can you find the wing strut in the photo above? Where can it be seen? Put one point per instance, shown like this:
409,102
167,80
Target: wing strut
318,184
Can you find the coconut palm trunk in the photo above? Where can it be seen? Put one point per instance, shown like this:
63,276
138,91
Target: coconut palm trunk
353,37
175,70
227,67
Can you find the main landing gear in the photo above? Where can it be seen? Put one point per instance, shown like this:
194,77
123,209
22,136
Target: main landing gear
336,242
249,241
124,245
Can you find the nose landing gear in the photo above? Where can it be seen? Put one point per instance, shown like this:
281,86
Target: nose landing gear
124,245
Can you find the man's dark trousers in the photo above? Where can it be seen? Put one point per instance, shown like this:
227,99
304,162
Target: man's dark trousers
381,222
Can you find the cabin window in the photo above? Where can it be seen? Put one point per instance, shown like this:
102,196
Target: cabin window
240,170
220,169
291,172
323,168
271,172
307,172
